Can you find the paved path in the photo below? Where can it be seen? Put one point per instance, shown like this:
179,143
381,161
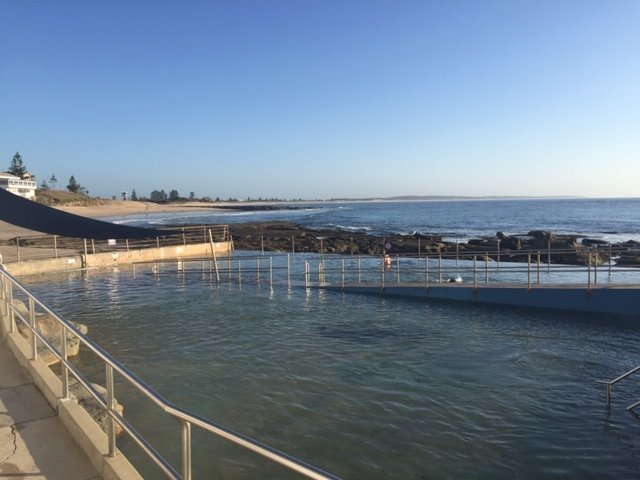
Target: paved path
34,445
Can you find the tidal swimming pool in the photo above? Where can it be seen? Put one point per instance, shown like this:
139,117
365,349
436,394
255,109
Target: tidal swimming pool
361,386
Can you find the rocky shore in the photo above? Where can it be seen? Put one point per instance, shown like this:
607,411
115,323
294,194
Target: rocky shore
565,249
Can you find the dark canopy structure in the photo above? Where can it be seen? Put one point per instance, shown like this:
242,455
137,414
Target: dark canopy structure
35,216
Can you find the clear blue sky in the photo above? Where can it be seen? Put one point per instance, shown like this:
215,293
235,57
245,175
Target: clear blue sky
321,99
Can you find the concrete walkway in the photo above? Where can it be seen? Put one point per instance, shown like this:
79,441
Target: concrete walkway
34,444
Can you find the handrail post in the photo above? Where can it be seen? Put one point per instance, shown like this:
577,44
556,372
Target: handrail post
457,252
32,323
475,274
538,268
111,423
498,256
398,267
258,269
55,246
426,271
63,365
342,271
608,395
359,271
440,266
289,270
529,271
548,256
239,272
589,273
271,271
186,450
595,267
486,268
12,314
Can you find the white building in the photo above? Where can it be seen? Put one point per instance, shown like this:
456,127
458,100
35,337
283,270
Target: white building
13,184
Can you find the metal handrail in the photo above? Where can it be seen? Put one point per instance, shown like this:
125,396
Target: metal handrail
611,383
186,418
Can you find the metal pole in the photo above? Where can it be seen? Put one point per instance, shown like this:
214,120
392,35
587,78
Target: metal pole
186,450
398,267
271,271
529,271
258,269
85,247
426,271
93,246
158,240
111,423
440,267
12,314
609,259
32,322
342,271
595,268
127,243
359,272
419,249
262,243
289,270
548,256
239,272
293,244
457,252
486,268
55,246
475,274
382,271
538,268
589,273
64,370
498,256
18,248
215,258
306,274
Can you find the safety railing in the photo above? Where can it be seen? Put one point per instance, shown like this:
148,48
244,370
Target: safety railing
54,246
10,288
528,269
610,383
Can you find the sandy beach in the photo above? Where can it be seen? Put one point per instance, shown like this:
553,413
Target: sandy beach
110,208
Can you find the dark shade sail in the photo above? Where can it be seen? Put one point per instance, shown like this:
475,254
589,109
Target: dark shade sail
25,213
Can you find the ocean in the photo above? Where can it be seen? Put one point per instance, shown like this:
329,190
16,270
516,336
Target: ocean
367,387
615,220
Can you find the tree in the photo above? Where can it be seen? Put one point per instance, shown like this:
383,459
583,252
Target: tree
53,181
173,195
158,196
17,168
74,186
134,195
192,196
44,186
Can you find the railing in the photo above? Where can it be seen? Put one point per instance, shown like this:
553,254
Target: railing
611,383
9,287
54,246
304,269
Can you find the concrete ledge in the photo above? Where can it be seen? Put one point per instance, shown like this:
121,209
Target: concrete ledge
84,430
624,300
107,259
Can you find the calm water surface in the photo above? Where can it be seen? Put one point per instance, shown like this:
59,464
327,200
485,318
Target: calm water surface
364,387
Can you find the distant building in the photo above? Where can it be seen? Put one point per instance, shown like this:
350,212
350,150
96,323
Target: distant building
24,187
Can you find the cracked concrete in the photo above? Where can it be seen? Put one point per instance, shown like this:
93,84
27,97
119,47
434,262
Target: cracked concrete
33,442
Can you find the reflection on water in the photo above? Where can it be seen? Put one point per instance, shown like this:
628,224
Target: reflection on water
361,386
